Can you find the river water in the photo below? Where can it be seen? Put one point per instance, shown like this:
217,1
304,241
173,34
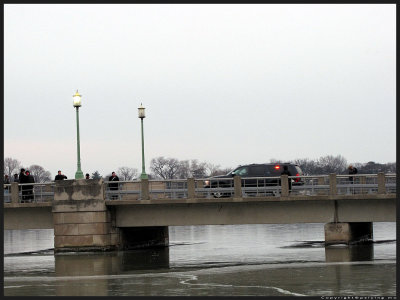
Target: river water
237,260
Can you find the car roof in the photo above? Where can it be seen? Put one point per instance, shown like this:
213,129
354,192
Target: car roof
269,164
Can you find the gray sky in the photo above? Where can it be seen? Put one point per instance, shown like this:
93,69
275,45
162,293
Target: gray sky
225,84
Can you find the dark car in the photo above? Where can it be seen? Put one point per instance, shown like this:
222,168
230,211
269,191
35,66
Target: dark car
251,177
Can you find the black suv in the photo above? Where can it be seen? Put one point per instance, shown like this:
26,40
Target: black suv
247,172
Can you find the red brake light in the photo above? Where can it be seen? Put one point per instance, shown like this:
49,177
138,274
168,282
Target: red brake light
277,167
297,179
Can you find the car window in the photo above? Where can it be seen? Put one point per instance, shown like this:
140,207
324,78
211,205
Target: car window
257,171
242,171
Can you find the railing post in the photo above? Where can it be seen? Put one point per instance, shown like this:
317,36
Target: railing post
363,181
321,181
381,183
144,188
14,192
284,186
191,187
332,184
237,183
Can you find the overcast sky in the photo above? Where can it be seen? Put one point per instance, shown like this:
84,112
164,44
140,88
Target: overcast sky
224,84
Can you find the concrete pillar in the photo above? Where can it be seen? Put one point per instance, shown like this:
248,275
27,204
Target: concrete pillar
191,188
381,183
284,186
81,219
14,192
237,183
144,188
332,184
348,233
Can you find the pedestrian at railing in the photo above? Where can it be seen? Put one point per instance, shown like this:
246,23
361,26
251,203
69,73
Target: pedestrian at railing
6,185
352,171
60,176
28,188
113,186
16,179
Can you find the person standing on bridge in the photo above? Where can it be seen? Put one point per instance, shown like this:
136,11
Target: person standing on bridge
87,176
16,179
29,188
6,181
23,179
352,171
113,186
287,172
60,176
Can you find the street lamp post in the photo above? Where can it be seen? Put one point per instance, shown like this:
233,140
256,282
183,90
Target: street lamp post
77,104
142,116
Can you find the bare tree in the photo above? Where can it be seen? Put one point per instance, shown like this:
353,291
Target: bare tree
11,166
212,169
197,169
126,173
166,168
40,174
309,167
184,169
333,164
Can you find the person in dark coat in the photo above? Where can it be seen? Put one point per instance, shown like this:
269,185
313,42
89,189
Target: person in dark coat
286,172
60,176
23,188
16,179
6,181
352,171
30,179
113,186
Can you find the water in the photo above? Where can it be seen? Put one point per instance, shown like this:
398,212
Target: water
237,260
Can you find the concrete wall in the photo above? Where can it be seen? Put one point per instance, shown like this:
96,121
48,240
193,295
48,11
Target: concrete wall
30,216
218,212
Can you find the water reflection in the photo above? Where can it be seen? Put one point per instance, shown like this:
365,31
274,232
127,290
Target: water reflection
94,269
111,262
339,253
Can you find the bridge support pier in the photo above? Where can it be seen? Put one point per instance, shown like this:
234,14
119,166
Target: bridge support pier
348,233
82,221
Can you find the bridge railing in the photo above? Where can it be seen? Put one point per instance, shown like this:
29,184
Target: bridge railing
29,192
215,187
218,187
122,190
7,193
390,183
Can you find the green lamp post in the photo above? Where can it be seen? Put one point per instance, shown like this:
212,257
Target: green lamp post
142,116
77,104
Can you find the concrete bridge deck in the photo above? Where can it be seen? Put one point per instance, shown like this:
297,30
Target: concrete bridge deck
83,214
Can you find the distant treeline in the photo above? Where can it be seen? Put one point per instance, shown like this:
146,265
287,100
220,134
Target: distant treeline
173,168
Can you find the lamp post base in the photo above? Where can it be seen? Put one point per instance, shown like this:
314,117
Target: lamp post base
144,176
79,174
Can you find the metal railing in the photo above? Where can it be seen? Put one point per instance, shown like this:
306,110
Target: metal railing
122,190
218,187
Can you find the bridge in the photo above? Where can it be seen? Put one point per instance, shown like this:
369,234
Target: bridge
94,215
